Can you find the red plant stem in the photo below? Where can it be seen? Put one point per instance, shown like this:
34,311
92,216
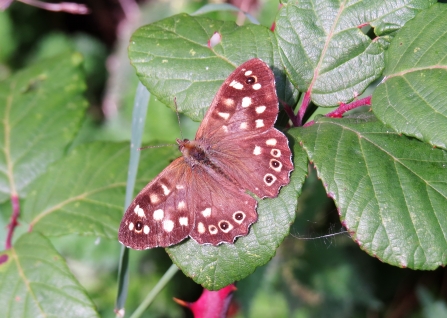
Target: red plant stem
303,108
343,108
13,221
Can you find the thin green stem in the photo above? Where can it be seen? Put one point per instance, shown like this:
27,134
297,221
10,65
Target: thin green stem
155,291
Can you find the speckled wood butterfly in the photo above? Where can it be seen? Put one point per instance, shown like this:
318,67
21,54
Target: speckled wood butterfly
203,194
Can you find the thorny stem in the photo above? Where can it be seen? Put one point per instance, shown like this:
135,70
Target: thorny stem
13,222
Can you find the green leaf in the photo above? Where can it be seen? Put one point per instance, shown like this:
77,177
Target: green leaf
391,191
84,192
36,282
412,97
41,109
215,267
172,59
324,51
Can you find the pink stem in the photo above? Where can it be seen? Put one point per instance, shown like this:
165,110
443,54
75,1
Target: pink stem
303,108
73,8
13,222
343,108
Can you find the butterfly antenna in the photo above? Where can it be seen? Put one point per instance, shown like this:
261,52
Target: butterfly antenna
178,117
158,146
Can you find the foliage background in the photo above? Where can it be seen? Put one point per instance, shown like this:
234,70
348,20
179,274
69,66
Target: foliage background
307,278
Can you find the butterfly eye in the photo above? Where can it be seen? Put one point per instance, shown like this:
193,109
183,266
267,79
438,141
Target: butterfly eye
250,80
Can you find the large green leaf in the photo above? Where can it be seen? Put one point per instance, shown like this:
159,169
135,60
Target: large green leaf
324,51
391,191
84,192
41,109
412,98
172,59
215,267
36,282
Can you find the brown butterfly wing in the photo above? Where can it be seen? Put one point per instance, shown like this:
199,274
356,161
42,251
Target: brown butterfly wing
238,129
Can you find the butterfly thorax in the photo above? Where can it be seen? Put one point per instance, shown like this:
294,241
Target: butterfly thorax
193,153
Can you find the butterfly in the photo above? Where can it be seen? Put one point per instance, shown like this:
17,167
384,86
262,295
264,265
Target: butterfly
205,193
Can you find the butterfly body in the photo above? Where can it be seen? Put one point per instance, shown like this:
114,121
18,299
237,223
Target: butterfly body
203,194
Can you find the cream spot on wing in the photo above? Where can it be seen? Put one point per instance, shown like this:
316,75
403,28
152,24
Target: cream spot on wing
243,125
139,211
269,179
248,73
207,212
275,153
166,191
201,228
154,198
224,115
271,142
275,165
158,215
256,86
168,225
131,226
213,229
229,102
239,217
146,229
181,205
257,151
179,186
225,226
259,123
225,128
260,109
246,101
183,220
235,84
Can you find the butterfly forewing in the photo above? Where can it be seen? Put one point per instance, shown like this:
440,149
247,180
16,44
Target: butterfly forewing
204,194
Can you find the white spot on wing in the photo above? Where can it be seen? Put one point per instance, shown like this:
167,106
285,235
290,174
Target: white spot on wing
139,211
259,123
257,151
256,86
229,102
224,115
235,84
260,109
154,198
225,128
271,142
243,125
183,221
159,215
246,101
168,225
248,73
207,212
166,191
146,229
131,226
181,205
201,228
179,186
